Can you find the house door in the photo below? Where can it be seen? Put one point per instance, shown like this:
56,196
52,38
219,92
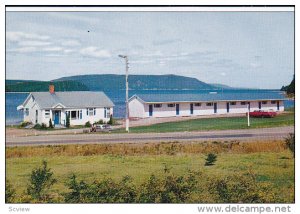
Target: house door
191,108
177,109
277,105
36,116
215,108
227,105
259,105
56,117
150,110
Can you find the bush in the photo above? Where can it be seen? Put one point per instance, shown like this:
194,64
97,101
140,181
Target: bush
290,143
37,126
99,122
10,192
88,124
210,159
50,124
111,120
240,189
41,179
24,124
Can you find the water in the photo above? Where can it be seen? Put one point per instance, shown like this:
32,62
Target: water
118,97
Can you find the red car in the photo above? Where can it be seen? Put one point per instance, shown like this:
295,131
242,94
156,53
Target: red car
261,113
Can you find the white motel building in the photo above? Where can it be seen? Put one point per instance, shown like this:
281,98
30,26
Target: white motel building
170,105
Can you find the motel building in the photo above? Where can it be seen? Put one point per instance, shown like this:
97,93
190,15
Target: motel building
79,106
171,105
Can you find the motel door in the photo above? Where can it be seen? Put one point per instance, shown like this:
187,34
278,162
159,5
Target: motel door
277,105
191,108
215,108
259,105
150,110
227,104
177,109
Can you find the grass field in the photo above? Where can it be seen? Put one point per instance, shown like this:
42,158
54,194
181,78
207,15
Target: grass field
287,119
270,161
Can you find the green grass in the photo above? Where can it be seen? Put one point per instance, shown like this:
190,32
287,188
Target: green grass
269,167
287,119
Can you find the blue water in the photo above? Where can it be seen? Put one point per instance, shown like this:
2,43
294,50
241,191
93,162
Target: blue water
118,97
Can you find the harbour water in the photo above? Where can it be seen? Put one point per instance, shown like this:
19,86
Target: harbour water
12,100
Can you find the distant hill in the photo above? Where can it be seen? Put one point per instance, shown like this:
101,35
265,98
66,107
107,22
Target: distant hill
290,89
160,82
28,86
221,86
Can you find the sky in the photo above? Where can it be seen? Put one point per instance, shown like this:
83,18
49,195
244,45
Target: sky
239,49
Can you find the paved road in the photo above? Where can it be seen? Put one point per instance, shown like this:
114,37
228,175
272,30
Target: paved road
241,135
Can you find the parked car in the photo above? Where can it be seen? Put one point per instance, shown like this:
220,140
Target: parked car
261,113
101,127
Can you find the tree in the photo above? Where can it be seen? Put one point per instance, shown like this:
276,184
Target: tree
111,120
290,143
41,179
210,159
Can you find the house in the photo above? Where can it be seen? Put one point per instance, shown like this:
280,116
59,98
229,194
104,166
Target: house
79,106
170,105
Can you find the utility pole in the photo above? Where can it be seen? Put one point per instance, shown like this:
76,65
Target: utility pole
248,114
127,106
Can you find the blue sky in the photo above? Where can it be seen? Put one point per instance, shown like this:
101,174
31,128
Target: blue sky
240,49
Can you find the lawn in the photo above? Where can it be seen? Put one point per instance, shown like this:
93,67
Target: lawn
273,165
287,119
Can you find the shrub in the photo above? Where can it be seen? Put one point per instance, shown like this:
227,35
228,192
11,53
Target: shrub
41,179
88,124
290,143
210,159
111,120
10,192
50,124
99,122
24,124
37,126
240,189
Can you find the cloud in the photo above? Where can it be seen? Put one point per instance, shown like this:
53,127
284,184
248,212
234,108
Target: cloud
223,74
95,52
50,49
24,50
166,42
16,36
34,43
71,43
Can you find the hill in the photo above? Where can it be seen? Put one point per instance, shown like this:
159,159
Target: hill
160,82
28,86
290,89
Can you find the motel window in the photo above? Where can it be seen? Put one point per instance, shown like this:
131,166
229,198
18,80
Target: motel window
171,105
26,112
91,111
209,104
243,103
197,104
47,113
232,103
157,105
273,102
264,102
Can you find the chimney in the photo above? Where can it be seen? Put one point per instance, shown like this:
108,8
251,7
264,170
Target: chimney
51,89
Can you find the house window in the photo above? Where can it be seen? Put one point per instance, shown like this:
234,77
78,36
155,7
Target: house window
243,103
75,115
26,112
232,103
264,102
273,102
47,113
91,111
197,104
157,105
209,104
106,112
171,105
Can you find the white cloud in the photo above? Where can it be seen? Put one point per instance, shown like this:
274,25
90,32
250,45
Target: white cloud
25,50
34,43
95,52
16,36
53,49
71,43
223,74
67,51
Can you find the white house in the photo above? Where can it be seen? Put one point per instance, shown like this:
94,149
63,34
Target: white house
170,105
80,106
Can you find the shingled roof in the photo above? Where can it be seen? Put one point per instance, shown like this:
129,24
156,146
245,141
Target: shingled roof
74,99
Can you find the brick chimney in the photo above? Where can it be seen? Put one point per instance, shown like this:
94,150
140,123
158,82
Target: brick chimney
51,89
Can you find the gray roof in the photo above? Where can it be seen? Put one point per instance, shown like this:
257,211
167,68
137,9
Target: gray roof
74,99
157,98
